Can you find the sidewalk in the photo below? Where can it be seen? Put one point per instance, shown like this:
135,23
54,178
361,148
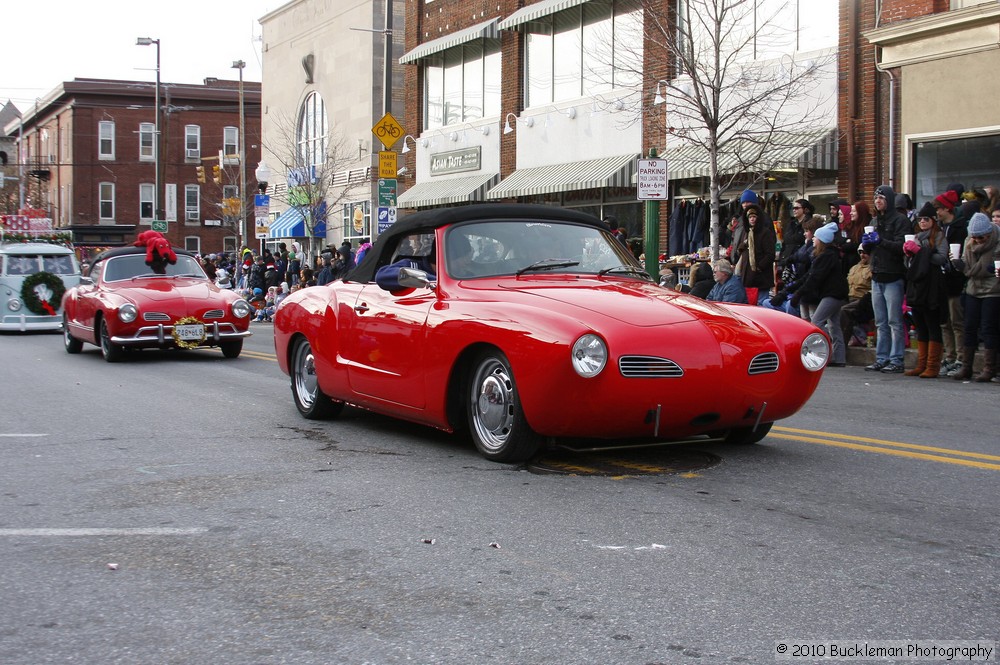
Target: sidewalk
861,356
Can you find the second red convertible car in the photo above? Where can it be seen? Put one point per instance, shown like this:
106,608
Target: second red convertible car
123,303
523,324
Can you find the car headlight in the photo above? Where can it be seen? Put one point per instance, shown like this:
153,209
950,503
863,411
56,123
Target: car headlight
14,304
815,352
589,355
127,313
241,309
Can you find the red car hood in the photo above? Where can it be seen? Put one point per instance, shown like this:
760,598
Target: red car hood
171,289
632,302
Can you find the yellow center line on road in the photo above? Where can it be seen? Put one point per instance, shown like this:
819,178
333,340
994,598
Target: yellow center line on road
897,448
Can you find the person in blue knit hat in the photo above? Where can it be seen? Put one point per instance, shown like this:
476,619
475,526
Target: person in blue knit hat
982,297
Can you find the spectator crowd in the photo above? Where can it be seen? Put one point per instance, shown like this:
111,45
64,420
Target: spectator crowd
880,269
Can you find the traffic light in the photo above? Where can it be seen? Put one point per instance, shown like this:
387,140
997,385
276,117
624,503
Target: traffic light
201,173
217,174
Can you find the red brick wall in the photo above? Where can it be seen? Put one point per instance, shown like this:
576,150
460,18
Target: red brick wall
863,104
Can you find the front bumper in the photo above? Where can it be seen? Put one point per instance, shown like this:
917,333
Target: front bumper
25,322
162,335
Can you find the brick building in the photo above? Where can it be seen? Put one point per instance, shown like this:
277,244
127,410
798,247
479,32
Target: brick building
549,121
88,152
915,108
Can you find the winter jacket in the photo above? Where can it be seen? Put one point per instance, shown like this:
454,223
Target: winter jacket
764,243
925,283
887,257
825,279
732,291
977,264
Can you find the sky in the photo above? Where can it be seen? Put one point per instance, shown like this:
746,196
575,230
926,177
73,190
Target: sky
47,42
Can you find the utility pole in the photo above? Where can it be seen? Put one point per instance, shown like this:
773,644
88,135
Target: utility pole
239,64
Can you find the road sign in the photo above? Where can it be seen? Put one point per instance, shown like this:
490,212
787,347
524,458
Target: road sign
651,180
387,192
388,131
159,225
386,164
386,218
261,210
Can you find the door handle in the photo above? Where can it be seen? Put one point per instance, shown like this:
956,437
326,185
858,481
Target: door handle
361,309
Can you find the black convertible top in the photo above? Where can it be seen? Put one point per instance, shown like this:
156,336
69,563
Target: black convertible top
428,220
128,250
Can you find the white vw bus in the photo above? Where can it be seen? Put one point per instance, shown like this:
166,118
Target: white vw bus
33,278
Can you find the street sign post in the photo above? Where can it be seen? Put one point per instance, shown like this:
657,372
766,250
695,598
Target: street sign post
651,180
388,131
387,164
386,218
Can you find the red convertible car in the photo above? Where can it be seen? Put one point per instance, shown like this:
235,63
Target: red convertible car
525,324
123,303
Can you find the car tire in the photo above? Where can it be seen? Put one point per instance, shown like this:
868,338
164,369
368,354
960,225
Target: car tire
112,352
311,402
232,349
745,436
496,420
72,344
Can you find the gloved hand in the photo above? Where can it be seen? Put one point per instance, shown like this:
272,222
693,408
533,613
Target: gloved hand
779,299
871,239
911,247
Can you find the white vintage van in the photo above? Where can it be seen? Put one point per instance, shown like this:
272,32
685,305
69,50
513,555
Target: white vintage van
33,278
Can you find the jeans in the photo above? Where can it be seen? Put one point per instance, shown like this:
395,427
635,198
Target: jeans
982,322
887,301
786,306
827,315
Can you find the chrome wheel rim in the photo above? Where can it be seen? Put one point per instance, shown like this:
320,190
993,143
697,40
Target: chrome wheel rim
493,404
105,338
306,385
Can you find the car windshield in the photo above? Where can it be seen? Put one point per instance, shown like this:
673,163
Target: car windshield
28,264
134,265
489,249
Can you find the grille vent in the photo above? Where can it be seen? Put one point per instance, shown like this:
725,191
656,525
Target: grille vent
765,363
649,367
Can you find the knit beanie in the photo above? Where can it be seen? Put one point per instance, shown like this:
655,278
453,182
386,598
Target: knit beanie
749,197
948,200
928,210
979,225
825,234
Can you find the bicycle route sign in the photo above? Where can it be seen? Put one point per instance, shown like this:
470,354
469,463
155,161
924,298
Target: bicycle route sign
388,131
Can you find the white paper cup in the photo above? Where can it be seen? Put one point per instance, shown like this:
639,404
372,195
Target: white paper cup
908,237
956,250
869,229
996,265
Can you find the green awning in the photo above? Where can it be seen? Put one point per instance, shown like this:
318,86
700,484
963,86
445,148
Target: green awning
484,30
536,11
443,192
589,174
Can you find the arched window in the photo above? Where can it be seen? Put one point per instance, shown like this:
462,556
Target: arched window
311,133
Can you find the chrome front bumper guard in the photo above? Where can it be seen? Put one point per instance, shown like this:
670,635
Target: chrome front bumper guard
162,335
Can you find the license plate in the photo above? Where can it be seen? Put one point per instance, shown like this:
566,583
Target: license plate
190,332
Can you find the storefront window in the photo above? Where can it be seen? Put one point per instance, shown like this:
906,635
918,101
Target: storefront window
973,161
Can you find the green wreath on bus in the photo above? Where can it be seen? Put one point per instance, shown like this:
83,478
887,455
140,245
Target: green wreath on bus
42,293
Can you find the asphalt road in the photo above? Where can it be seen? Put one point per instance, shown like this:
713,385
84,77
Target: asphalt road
176,509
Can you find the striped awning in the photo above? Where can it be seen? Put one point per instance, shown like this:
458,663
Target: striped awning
590,174
484,30
536,11
444,192
290,224
808,149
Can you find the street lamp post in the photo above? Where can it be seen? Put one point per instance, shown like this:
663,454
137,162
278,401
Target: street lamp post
239,64
157,211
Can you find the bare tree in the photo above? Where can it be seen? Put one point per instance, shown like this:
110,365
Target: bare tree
319,173
732,89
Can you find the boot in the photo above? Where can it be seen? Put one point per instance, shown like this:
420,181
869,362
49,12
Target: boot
989,366
934,352
921,365
968,356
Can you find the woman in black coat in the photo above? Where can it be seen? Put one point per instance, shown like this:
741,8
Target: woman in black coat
753,251
823,292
